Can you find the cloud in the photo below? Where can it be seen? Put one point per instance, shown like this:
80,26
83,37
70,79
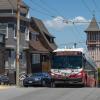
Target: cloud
79,20
60,23
55,23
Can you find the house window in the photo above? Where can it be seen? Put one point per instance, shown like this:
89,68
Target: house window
15,31
4,29
33,36
35,58
1,38
27,34
51,40
23,59
22,28
10,58
45,58
11,27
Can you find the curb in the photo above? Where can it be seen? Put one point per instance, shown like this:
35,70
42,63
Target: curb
3,87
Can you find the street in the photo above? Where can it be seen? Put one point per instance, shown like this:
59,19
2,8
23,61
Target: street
41,93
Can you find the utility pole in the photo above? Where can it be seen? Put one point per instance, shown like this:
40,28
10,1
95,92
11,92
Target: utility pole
75,44
17,44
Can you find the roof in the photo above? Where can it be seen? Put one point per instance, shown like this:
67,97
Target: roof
43,31
38,46
12,4
41,26
93,26
33,31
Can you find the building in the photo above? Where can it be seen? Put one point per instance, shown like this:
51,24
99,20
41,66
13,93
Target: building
93,40
2,52
41,46
36,43
8,23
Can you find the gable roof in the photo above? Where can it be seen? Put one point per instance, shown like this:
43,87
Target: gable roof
37,46
12,4
43,31
41,26
93,26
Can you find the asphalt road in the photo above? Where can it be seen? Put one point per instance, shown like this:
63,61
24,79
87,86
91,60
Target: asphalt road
50,94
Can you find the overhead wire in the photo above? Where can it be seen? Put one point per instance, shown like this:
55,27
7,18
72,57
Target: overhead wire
46,11
96,6
51,8
48,14
85,4
43,13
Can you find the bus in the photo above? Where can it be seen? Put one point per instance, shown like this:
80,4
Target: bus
73,66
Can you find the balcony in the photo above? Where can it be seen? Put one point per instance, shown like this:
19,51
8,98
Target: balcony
93,42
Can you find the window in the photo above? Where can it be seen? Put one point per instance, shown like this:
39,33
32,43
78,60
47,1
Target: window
33,36
35,58
4,29
27,34
51,40
15,31
1,38
45,58
23,59
22,29
67,62
11,27
10,58
8,11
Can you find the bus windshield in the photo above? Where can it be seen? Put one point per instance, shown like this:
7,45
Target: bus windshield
61,62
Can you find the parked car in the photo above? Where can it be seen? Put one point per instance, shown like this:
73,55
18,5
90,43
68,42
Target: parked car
4,79
43,79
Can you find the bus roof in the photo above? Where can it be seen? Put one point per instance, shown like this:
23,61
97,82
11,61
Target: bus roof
72,49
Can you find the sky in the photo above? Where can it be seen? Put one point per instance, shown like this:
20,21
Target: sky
59,16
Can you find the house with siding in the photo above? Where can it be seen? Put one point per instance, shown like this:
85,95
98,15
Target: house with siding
36,43
8,23
41,46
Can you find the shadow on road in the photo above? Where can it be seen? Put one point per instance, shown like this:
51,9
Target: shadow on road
69,86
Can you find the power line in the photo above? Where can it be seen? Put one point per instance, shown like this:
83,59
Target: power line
43,13
85,4
45,8
42,7
96,6
39,11
77,30
53,9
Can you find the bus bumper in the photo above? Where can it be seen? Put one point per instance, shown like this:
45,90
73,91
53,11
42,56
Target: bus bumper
68,81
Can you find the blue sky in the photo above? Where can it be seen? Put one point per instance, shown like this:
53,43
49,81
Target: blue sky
69,10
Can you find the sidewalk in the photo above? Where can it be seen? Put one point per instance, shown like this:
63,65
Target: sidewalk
3,87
